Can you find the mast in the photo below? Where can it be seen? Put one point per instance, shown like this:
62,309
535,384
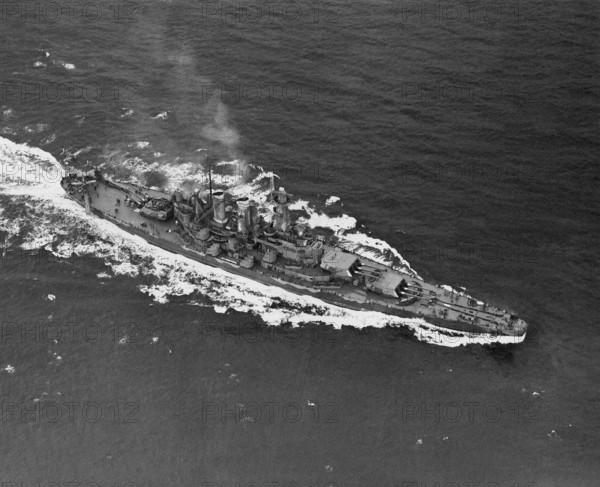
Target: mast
208,161
210,180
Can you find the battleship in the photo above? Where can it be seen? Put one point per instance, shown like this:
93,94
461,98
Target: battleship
216,229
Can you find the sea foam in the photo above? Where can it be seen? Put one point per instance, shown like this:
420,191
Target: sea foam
63,227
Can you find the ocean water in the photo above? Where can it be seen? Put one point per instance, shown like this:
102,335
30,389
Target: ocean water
460,141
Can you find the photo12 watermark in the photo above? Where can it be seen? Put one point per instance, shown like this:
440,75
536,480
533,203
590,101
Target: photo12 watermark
18,332
470,253
67,483
68,332
467,483
267,483
253,332
33,12
272,412
233,92
52,412
34,92
469,412
462,172
271,12
482,12
30,173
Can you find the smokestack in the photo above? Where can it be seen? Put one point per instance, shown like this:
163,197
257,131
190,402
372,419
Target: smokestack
285,218
243,206
251,215
283,222
219,207
196,204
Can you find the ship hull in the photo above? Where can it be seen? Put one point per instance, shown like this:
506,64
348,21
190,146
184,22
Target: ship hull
369,301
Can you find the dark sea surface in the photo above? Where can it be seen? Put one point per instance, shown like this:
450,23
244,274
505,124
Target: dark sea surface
463,134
